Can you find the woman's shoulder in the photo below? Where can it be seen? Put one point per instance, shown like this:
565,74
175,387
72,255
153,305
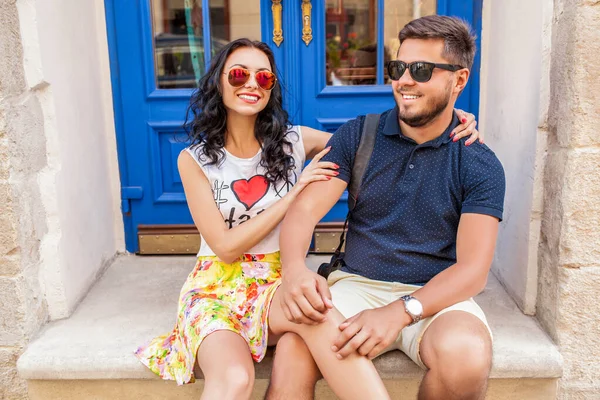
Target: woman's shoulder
196,153
294,133
195,150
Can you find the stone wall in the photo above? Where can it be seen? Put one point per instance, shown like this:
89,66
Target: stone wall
569,256
60,220
22,220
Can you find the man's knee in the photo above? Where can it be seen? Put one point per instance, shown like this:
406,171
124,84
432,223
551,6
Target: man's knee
464,357
294,370
460,353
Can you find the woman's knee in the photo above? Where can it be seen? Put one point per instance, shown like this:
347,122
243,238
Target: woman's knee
240,378
233,380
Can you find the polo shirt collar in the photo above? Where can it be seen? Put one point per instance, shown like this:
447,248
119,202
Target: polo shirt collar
392,127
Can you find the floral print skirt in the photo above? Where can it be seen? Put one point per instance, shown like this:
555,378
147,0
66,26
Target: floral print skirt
216,296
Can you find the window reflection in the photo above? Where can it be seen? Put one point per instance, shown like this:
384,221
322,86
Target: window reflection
179,39
351,35
397,14
178,43
234,19
350,42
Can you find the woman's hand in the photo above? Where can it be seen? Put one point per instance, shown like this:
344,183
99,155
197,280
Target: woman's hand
316,170
466,128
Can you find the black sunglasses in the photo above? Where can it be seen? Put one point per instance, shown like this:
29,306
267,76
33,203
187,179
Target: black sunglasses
420,71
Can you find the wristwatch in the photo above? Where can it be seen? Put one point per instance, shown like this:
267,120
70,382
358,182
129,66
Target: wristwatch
413,307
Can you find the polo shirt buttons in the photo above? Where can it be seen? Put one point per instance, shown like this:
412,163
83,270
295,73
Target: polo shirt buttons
411,166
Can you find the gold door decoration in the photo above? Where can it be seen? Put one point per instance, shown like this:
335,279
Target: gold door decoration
277,30
306,22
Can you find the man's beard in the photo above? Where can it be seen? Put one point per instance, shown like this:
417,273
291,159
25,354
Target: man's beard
433,109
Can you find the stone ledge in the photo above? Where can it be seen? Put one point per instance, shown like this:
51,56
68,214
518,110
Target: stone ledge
136,300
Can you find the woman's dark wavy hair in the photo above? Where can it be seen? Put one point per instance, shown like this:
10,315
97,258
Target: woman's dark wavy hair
206,118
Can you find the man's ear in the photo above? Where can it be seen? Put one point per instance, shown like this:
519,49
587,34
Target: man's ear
462,77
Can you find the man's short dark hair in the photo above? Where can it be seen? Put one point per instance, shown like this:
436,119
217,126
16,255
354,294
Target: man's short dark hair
459,41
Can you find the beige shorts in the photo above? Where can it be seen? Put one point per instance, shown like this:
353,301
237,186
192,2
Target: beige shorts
354,293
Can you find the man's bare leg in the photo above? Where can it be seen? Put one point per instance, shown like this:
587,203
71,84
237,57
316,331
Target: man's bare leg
353,377
295,373
457,349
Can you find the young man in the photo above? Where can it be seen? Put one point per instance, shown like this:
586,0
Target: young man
421,238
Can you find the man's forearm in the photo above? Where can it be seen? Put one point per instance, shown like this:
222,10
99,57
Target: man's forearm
475,244
302,217
296,233
453,285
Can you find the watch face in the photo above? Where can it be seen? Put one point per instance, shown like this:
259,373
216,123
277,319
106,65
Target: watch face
414,307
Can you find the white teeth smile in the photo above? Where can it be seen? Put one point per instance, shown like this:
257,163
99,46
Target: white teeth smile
407,97
249,98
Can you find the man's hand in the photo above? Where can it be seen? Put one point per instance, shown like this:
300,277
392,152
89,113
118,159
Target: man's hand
306,297
371,331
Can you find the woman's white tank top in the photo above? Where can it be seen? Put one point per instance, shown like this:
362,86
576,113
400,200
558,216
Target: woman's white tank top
241,190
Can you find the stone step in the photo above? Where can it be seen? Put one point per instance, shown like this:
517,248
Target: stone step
137,389
92,351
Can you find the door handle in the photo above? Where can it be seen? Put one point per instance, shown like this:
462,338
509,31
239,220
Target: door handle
306,22
277,30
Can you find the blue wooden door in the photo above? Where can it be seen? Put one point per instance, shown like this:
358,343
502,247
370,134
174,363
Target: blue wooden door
331,61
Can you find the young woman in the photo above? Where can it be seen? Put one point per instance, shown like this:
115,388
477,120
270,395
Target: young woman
240,174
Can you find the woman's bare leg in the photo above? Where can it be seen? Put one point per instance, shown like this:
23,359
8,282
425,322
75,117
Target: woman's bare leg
228,369
354,377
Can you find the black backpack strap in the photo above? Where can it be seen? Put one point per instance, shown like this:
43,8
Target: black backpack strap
361,160
363,155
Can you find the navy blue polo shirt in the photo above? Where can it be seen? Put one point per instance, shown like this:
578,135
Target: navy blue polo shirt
404,225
